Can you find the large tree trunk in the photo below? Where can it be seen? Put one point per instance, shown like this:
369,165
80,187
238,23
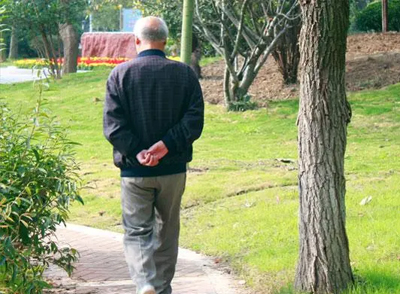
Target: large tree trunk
71,48
324,264
13,54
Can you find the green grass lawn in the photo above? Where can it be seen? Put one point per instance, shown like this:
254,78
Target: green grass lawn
241,202
6,63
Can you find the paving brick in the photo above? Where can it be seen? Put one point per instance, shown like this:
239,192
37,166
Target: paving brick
102,268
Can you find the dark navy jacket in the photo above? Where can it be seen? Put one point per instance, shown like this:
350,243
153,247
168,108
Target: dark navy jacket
148,99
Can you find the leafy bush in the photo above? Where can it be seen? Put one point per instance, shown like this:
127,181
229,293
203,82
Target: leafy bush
243,104
38,181
370,18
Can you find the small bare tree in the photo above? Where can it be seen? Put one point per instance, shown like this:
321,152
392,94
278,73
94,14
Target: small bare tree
245,33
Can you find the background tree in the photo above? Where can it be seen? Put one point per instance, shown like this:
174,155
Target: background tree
385,16
12,38
169,10
324,265
187,23
42,20
370,18
106,14
359,4
3,28
13,52
245,33
18,43
287,52
72,13
37,19
70,40
355,7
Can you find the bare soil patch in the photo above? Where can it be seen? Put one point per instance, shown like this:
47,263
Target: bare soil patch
373,62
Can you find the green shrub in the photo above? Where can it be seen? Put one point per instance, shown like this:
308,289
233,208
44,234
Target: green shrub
370,18
38,181
243,104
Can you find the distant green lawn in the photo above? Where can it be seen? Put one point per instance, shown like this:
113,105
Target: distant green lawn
6,63
241,202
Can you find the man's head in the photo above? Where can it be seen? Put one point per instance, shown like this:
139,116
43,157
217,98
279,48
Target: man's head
150,33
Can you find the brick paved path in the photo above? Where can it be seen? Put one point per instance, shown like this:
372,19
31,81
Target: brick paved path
102,268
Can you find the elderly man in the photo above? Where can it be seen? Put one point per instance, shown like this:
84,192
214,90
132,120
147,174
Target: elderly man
153,113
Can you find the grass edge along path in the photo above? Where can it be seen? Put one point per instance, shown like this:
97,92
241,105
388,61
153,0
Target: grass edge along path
241,201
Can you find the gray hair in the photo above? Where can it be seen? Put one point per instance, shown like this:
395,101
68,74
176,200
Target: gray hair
151,28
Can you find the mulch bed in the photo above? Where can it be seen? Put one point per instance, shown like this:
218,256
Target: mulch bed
373,62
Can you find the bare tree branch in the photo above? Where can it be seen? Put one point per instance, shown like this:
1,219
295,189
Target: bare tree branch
269,50
228,58
248,35
240,30
207,32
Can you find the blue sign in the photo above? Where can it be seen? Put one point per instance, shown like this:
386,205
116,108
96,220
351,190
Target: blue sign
129,17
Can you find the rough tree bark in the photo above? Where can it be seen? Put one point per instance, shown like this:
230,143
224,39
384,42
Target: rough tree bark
71,47
13,54
324,264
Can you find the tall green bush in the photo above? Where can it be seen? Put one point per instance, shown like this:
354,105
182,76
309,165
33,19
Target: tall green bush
38,182
370,18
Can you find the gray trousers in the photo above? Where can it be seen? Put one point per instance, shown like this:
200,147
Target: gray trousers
151,219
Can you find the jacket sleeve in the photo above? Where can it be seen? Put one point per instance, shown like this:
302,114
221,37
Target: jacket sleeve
190,127
116,125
